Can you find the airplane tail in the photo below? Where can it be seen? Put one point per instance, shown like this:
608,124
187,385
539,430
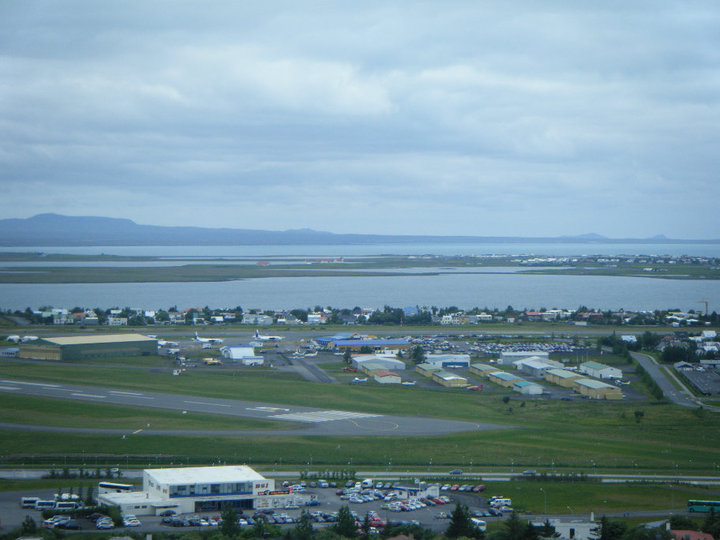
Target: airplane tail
196,337
257,334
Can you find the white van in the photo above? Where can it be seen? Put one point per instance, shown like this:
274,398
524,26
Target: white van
66,505
367,483
480,524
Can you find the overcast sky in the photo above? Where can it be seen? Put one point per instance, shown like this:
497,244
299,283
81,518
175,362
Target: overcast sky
478,118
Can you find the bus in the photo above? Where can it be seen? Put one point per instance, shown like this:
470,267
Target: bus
66,505
113,487
29,502
44,505
703,506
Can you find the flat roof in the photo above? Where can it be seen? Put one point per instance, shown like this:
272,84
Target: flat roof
385,373
592,383
504,376
380,360
427,367
562,373
535,362
94,340
594,365
205,475
524,383
447,376
484,366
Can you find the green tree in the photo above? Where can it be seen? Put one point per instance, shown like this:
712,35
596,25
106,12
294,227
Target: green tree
611,530
230,527
89,497
345,525
461,524
417,355
643,533
514,528
711,525
28,526
682,523
304,528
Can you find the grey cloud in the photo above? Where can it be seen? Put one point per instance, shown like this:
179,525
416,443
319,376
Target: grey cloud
360,117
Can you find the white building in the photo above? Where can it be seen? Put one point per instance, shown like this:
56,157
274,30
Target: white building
244,354
448,361
199,489
257,319
386,377
536,366
600,371
573,530
390,363
527,388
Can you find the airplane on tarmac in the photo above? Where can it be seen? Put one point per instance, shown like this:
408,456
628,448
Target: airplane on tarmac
210,340
23,339
267,338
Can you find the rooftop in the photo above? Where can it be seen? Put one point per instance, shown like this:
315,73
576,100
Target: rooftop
504,376
94,340
562,373
205,475
592,383
447,376
594,365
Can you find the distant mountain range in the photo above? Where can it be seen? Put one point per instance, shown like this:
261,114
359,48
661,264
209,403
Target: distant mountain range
59,230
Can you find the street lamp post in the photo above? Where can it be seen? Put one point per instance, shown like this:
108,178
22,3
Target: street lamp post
545,499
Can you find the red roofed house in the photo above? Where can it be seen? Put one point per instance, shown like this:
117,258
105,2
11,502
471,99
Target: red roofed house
691,535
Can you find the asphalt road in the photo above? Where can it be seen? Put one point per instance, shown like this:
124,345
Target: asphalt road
683,398
308,420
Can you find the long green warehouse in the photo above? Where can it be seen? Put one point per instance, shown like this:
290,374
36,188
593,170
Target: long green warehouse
80,347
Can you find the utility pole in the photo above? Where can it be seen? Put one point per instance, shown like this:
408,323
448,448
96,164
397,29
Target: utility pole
706,305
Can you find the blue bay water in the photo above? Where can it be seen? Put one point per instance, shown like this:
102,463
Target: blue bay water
464,290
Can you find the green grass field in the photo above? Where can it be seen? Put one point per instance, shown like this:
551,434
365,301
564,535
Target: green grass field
564,436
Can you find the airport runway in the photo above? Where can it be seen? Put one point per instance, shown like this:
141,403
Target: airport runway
306,421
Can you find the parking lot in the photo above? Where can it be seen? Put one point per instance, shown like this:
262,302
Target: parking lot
322,503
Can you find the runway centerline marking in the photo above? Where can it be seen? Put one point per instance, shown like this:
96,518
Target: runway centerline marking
80,394
9,388
121,393
206,403
267,409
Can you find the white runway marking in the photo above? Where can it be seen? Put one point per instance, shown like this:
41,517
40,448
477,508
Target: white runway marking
267,409
124,393
130,395
322,416
79,394
206,403
32,384
9,388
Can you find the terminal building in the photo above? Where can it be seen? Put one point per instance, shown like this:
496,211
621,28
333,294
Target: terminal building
91,346
199,489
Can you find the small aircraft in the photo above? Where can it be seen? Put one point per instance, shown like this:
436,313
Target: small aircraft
267,338
163,343
23,339
210,340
